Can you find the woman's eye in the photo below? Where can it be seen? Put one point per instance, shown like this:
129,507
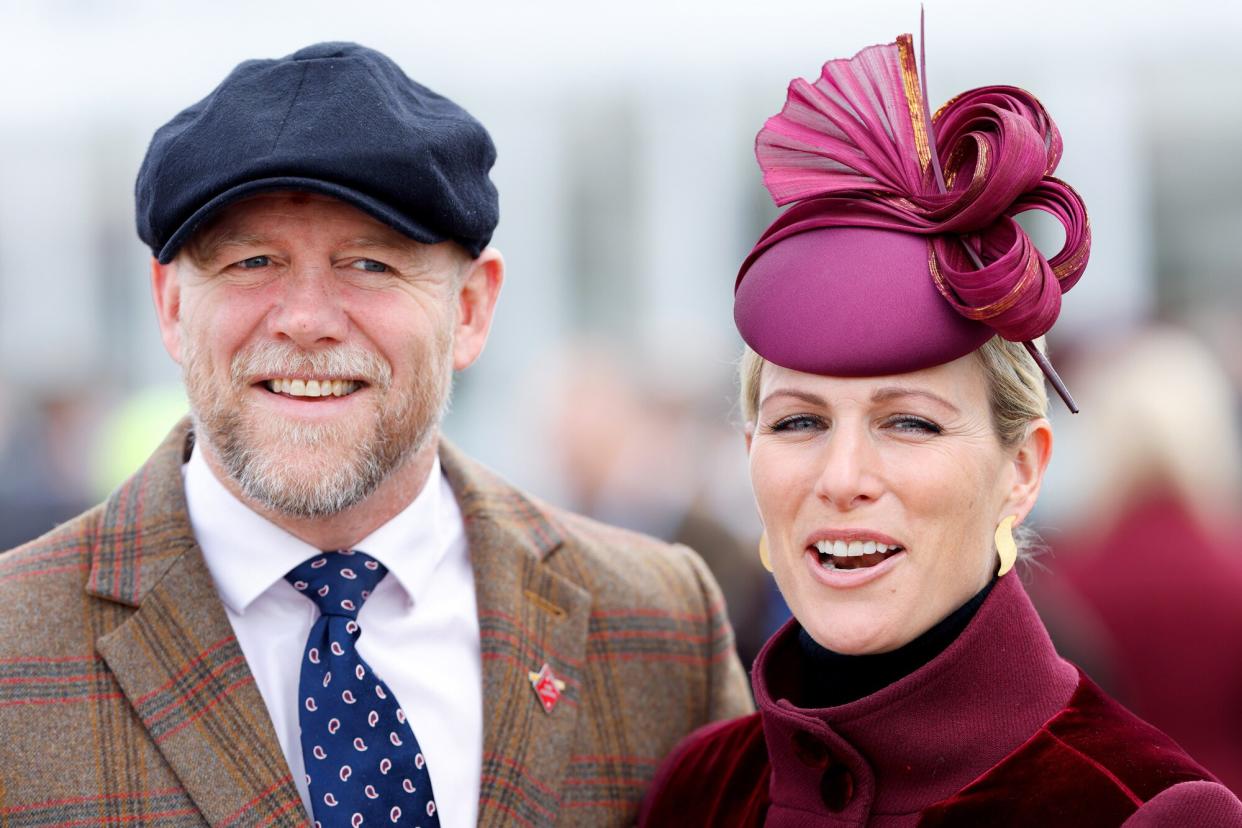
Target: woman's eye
796,423
254,262
370,266
914,425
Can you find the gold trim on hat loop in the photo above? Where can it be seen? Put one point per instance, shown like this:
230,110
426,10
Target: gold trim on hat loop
914,99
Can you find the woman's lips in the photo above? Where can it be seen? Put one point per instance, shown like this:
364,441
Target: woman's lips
853,576
856,554
851,549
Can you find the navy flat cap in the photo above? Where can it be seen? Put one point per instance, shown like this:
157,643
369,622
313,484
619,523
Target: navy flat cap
333,118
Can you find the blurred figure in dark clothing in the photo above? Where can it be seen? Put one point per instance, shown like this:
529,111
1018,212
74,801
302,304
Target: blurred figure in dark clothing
1145,589
43,479
641,448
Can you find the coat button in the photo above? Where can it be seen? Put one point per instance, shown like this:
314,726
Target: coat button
836,788
811,750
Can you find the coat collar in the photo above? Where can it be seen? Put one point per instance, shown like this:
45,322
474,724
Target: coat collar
183,672
923,737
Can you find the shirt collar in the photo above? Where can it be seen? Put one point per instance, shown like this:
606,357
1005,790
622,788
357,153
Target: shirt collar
246,553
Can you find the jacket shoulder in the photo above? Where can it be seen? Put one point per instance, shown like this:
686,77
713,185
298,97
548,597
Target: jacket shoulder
62,556
619,552
1138,755
1094,763
719,774
45,626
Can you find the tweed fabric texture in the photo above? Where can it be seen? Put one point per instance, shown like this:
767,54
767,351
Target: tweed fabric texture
124,697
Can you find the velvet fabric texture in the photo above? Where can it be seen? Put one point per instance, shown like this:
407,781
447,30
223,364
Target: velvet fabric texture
996,730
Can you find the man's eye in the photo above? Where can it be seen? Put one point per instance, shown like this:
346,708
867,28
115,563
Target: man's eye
254,262
370,266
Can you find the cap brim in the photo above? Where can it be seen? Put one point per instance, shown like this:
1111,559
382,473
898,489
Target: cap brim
373,207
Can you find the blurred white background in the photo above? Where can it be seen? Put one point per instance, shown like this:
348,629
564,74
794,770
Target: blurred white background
629,195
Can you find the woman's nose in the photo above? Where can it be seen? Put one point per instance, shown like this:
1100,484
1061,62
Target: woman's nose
850,474
310,310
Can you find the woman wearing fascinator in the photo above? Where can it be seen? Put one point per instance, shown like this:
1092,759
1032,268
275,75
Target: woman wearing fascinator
897,433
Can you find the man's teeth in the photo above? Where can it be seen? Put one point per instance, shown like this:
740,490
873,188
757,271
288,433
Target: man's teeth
853,549
312,388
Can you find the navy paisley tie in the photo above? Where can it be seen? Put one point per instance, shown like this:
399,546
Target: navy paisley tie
363,764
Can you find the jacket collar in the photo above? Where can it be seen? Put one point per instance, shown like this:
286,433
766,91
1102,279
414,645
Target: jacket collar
923,737
531,614
144,528
175,656
183,672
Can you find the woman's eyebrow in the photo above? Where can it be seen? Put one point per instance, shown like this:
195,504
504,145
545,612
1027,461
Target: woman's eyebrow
806,397
894,392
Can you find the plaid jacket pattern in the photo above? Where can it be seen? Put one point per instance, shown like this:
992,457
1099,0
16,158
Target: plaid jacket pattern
126,700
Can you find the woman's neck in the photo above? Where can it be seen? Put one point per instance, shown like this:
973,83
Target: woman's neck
831,678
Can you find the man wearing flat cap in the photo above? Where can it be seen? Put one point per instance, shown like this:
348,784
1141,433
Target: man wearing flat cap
307,606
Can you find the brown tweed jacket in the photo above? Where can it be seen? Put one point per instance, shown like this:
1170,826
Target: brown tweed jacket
125,699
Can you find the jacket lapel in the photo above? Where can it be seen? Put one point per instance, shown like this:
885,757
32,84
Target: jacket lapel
529,616
176,658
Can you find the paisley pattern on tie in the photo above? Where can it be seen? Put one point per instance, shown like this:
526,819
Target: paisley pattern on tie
363,764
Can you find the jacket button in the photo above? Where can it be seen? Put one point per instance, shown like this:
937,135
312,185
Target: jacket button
810,750
836,788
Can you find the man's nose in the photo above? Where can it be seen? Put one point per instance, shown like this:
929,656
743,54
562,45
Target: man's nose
850,476
310,310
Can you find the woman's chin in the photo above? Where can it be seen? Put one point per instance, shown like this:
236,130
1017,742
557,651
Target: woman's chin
846,641
859,627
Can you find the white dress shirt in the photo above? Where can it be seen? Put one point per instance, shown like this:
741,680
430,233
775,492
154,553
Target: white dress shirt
420,627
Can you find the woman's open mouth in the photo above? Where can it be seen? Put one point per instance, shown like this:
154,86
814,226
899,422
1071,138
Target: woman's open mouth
854,554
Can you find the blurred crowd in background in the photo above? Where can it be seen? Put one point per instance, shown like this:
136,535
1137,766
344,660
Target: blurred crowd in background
629,195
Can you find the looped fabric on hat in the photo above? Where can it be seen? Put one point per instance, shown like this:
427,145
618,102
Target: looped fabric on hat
854,148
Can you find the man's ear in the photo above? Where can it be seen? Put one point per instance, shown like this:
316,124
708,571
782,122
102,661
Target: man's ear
166,291
476,303
1030,461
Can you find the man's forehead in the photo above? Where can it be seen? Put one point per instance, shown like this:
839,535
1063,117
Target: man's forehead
266,216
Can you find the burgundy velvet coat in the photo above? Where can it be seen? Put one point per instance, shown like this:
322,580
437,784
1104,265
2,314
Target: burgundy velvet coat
996,730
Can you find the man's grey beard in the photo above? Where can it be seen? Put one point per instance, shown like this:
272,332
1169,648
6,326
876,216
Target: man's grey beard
296,473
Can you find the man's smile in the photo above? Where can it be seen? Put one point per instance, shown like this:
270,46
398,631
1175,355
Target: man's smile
300,387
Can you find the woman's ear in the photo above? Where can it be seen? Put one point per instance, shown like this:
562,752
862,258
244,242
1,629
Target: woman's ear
1030,461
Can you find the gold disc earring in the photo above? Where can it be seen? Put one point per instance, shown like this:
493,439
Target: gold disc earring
1006,547
764,557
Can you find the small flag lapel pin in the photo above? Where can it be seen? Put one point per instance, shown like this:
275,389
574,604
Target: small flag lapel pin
547,687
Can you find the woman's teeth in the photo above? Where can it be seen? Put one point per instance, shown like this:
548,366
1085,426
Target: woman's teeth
854,554
312,388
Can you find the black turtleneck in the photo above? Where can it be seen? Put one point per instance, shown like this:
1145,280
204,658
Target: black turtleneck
833,678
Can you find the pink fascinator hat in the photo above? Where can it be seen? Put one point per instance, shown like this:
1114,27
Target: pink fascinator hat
899,249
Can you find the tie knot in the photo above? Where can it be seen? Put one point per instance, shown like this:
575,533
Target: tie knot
338,582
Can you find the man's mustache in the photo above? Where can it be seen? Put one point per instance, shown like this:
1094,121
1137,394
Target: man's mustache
278,359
